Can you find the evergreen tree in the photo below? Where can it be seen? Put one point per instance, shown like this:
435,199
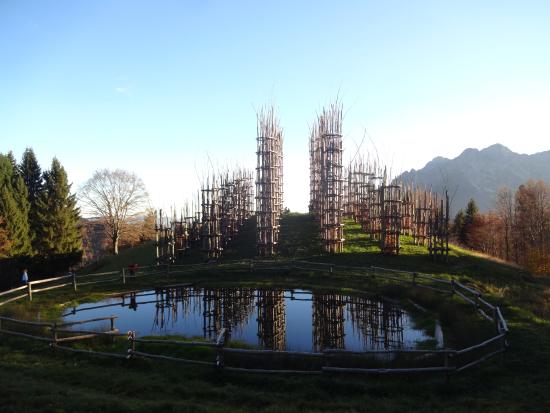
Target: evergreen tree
58,214
5,243
471,212
12,160
14,207
32,176
469,218
458,226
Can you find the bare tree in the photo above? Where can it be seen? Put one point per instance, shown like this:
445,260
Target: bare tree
505,209
117,197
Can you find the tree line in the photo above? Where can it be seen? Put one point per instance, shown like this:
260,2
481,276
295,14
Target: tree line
39,219
517,229
38,212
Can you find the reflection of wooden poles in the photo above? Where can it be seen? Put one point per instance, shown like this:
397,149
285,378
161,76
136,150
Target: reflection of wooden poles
212,321
328,321
380,324
271,319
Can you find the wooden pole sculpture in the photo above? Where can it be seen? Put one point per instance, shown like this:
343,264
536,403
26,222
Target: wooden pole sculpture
269,181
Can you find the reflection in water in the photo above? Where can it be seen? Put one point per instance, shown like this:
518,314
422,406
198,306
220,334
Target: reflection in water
328,321
380,323
225,308
271,319
286,319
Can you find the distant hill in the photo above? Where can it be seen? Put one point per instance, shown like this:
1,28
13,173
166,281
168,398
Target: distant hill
480,174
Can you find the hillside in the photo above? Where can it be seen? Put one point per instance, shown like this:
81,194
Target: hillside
79,382
479,174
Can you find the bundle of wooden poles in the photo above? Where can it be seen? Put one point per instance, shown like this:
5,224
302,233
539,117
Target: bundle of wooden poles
326,179
224,203
269,181
385,208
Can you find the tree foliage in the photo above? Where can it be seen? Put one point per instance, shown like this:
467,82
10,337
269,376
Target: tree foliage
14,208
518,229
464,223
39,220
458,226
32,176
57,214
5,243
117,197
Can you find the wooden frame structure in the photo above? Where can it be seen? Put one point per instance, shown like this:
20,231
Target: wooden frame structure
386,209
326,177
269,181
223,204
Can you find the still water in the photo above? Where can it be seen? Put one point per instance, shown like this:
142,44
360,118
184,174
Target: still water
277,319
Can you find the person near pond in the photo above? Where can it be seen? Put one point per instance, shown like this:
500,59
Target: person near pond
133,269
24,277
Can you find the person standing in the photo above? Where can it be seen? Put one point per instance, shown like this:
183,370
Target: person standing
24,277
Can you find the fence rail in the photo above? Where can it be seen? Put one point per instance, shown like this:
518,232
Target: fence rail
454,361
51,331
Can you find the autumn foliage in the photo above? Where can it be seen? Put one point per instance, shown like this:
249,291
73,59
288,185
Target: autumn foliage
516,230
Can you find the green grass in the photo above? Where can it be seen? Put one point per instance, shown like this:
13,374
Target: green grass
143,255
35,378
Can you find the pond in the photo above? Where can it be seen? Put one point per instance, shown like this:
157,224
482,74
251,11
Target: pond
277,319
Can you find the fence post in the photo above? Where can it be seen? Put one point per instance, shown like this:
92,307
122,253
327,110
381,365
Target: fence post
54,333
74,280
29,290
497,320
251,266
220,363
453,287
330,271
414,278
131,344
123,276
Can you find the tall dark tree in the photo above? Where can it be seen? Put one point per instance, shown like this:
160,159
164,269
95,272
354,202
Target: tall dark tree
469,220
32,176
458,226
13,161
5,243
14,207
58,214
471,211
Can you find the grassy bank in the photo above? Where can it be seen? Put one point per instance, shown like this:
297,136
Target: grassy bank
35,378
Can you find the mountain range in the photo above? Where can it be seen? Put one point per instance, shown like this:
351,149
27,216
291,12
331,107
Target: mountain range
479,174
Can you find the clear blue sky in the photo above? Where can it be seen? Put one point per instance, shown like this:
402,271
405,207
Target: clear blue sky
160,87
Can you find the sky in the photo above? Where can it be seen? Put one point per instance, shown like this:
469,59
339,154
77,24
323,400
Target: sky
170,89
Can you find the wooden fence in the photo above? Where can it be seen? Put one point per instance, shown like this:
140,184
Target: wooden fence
53,332
448,361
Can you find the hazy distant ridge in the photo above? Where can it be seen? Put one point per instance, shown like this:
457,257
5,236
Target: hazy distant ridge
479,174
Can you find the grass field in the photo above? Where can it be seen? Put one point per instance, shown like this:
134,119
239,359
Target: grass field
35,378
